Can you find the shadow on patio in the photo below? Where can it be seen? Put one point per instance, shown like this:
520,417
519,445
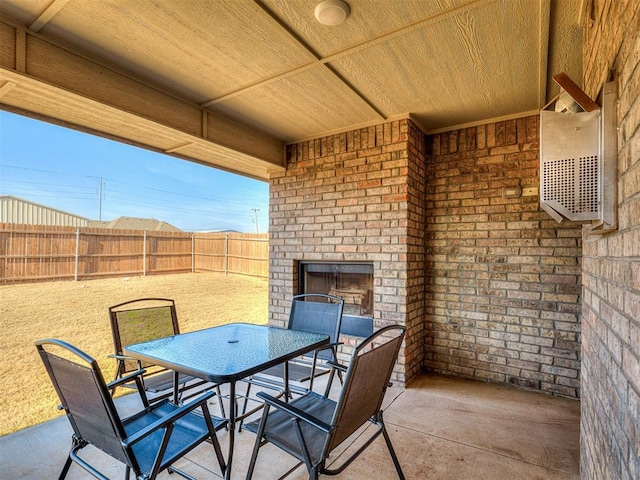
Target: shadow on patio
442,428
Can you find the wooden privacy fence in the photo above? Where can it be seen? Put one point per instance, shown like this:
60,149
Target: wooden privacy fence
30,253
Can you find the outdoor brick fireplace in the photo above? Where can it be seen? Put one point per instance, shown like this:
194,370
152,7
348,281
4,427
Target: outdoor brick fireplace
488,287
351,281
346,201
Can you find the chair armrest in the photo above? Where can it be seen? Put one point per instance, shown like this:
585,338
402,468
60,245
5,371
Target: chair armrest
330,345
337,366
119,356
296,412
162,422
125,379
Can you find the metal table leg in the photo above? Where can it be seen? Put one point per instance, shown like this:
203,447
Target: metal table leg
232,427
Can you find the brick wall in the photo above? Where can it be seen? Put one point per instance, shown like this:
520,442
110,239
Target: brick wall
610,411
503,278
416,188
355,196
496,281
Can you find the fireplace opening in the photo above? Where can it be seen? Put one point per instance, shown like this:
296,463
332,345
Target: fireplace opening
353,282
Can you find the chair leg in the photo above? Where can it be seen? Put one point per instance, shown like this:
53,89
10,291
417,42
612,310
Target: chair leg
65,469
394,457
257,444
214,438
252,463
314,474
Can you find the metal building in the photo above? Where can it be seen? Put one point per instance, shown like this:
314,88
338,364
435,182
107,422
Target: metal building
17,210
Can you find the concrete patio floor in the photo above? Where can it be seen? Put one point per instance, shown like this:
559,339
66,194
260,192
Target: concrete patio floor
441,428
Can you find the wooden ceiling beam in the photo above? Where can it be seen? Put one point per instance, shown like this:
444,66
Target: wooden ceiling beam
60,71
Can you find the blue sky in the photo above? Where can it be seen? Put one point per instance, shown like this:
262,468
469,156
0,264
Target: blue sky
63,168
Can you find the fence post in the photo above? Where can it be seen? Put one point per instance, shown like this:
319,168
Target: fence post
144,253
226,253
75,269
193,253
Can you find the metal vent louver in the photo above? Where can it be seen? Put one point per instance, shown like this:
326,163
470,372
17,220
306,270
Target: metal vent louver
568,184
570,158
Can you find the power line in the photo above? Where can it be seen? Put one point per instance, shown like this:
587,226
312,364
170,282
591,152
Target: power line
118,195
45,171
119,182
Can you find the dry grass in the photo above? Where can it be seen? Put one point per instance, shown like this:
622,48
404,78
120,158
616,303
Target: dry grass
77,313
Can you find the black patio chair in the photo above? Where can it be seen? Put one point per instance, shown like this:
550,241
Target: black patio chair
147,442
310,427
312,312
147,319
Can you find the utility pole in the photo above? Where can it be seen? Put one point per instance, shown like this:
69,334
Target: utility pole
255,217
100,201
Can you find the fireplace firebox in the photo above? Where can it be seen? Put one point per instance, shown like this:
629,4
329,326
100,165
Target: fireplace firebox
353,282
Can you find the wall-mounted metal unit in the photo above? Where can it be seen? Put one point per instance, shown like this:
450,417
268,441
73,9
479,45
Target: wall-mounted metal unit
578,157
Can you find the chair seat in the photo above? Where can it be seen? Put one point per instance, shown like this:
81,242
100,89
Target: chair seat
188,431
281,432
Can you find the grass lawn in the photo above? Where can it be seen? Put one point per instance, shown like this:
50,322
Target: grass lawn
76,312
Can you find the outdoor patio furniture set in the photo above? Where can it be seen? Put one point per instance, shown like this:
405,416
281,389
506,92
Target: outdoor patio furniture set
176,375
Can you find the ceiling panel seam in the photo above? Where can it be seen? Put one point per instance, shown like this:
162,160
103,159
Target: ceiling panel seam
362,96
543,50
6,87
337,55
436,17
178,147
288,30
47,15
318,60
362,45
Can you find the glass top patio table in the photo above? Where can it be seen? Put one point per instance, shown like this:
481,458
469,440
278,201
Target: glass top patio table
226,354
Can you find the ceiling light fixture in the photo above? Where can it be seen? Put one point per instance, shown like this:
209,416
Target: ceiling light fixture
332,12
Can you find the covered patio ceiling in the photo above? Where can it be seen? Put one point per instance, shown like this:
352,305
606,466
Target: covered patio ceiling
228,83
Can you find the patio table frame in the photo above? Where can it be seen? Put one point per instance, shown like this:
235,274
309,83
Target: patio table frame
227,354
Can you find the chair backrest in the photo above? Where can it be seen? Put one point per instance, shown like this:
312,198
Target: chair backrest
317,313
85,398
366,382
141,320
